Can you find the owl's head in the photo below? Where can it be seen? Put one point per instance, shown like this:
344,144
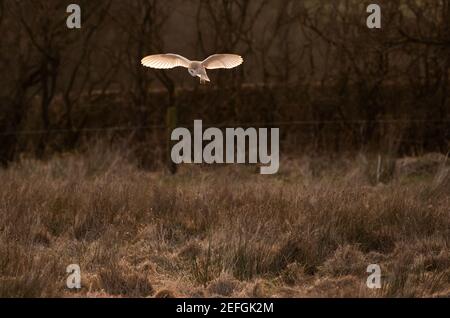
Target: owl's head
192,72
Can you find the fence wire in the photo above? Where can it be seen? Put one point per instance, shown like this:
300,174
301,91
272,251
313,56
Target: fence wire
223,125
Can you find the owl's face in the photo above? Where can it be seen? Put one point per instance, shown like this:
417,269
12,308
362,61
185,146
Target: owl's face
192,72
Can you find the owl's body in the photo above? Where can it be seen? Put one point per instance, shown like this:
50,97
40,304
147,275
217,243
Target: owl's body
195,68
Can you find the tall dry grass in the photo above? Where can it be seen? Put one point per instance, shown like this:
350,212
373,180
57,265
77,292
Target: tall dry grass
309,231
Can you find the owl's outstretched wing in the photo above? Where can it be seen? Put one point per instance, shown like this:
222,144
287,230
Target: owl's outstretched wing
165,61
222,61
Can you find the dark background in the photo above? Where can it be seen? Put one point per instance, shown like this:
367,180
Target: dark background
312,68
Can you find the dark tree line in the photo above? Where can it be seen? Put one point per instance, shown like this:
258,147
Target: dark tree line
306,61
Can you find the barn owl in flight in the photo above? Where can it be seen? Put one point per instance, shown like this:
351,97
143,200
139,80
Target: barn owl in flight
195,68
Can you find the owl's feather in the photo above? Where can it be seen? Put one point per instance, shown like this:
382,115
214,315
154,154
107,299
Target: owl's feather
165,61
227,61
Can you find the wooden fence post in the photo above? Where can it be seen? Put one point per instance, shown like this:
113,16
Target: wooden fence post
171,124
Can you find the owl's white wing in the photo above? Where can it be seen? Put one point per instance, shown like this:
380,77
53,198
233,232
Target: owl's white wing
222,61
165,61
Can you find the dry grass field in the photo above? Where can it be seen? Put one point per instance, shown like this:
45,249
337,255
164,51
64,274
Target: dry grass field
309,231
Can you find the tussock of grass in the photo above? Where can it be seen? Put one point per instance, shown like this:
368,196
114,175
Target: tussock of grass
220,231
122,280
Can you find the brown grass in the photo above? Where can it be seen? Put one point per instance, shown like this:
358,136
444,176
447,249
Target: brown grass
221,231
